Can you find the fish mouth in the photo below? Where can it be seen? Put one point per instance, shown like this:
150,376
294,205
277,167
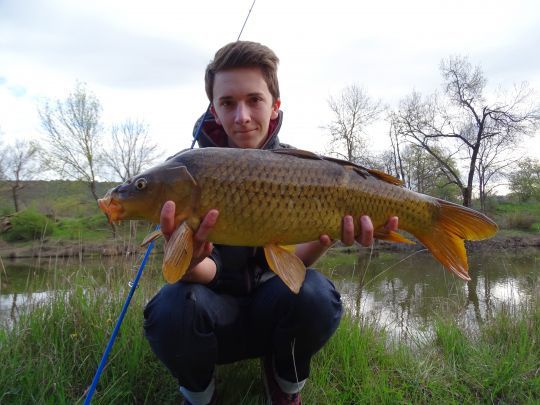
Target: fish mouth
111,207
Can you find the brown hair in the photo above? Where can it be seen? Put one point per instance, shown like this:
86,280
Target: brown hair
242,54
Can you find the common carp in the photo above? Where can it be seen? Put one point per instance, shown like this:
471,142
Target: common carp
285,197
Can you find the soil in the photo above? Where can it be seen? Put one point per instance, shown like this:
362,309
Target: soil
63,248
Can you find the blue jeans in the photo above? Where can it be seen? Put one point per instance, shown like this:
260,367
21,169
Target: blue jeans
191,328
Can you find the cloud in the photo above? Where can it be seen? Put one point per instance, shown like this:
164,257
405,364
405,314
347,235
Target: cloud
53,36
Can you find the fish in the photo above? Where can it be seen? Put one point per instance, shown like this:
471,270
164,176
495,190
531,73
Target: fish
279,198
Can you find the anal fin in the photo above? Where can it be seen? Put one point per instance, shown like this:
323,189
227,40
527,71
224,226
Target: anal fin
286,265
178,254
391,236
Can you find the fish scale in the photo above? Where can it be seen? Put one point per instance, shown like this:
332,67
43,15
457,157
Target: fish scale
285,197
305,197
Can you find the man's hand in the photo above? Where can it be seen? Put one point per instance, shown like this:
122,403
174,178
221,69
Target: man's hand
365,236
311,251
200,270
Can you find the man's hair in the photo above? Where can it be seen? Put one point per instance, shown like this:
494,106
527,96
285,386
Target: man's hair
244,54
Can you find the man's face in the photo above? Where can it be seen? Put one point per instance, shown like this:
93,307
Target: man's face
243,105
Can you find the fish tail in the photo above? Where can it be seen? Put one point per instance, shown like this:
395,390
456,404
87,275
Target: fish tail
454,225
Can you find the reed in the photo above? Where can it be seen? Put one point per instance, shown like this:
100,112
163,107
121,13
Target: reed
51,352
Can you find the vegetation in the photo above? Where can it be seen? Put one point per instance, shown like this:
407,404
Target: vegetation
50,355
517,215
28,225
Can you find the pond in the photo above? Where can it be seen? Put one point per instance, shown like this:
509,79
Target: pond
402,292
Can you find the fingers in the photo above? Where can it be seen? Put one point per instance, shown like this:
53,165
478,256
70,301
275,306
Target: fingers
325,241
347,230
366,231
392,224
206,226
166,219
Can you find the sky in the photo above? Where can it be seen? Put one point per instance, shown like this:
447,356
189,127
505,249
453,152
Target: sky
146,60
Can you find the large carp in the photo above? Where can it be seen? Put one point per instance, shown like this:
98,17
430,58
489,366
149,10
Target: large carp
284,197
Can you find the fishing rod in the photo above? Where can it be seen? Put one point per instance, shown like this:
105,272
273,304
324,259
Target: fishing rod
135,282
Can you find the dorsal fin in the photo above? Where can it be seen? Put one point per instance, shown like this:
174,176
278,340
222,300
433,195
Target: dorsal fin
362,171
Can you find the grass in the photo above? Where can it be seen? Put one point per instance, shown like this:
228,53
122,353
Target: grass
511,214
51,353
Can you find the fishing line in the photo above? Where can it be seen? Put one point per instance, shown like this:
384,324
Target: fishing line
205,116
394,265
135,282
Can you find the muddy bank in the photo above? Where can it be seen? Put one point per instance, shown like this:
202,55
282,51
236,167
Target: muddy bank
63,248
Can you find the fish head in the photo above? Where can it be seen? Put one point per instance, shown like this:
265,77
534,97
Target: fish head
143,195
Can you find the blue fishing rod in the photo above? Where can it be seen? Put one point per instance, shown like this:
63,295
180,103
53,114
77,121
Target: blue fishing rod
91,390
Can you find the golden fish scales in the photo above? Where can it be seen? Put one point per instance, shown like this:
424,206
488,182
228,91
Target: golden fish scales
289,201
284,197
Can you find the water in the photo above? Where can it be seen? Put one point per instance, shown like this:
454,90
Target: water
402,292
406,293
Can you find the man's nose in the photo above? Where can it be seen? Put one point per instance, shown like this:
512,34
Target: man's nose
242,114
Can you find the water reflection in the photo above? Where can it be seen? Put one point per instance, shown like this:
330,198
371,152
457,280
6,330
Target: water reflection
403,293
28,282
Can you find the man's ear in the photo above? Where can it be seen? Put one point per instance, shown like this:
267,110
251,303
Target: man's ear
275,109
214,113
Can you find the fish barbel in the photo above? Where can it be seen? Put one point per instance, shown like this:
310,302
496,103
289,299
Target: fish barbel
285,197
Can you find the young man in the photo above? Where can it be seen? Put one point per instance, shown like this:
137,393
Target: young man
228,306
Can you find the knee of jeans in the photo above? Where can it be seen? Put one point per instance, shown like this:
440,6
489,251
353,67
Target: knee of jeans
319,299
174,312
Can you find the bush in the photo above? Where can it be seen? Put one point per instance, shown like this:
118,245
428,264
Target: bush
28,225
520,220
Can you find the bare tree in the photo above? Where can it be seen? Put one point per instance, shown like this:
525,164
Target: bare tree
353,111
20,163
131,151
462,121
493,160
73,137
423,174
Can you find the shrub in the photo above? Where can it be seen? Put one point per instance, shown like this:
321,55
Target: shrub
28,225
520,220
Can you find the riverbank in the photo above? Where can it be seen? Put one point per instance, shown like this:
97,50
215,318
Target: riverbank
505,239
50,355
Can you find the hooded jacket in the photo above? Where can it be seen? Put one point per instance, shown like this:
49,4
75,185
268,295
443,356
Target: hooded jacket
239,269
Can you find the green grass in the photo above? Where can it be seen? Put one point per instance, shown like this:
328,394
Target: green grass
50,356
510,212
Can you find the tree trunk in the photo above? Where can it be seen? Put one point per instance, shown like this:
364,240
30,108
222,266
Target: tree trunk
14,192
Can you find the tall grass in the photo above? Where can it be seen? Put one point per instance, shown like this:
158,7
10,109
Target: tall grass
51,353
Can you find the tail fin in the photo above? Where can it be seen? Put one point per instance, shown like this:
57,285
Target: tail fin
454,225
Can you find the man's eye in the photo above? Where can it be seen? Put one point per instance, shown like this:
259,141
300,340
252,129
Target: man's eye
140,184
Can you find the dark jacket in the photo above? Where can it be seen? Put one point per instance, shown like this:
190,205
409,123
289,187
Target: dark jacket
239,268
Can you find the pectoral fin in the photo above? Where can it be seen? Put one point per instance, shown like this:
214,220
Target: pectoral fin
150,237
286,265
178,253
391,236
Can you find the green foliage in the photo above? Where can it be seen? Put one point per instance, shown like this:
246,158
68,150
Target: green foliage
525,181
423,173
513,214
90,227
28,225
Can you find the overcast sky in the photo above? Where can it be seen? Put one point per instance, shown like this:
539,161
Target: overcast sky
146,59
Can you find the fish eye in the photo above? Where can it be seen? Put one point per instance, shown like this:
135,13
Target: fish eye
140,184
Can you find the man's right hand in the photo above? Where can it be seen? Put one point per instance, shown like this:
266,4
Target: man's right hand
200,270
